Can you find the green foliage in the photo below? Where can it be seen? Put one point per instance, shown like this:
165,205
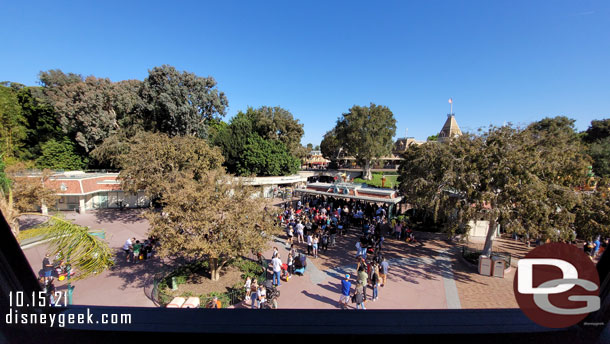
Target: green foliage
432,138
5,182
366,133
599,129
249,268
180,103
253,142
42,123
266,158
330,145
600,153
12,123
86,253
521,178
391,180
60,155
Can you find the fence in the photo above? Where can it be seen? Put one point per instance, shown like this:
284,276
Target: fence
472,255
162,281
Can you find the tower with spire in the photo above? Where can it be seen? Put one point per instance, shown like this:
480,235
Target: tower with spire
451,128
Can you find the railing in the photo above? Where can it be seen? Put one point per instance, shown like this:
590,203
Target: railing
161,298
469,253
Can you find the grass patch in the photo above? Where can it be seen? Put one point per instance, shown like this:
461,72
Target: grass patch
391,180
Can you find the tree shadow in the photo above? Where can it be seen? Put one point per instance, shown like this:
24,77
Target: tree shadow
126,216
321,298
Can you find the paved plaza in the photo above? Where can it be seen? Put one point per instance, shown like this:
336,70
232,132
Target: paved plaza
426,275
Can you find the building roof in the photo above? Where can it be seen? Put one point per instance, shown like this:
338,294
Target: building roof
450,129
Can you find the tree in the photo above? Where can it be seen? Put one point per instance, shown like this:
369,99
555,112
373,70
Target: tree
215,218
155,163
520,178
30,192
12,123
309,147
593,214
180,103
266,158
432,138
330,145
252,143
59,155
275,123
41,121
366,134
92,109
598,130
597,137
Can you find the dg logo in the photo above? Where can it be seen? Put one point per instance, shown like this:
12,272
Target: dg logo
557,285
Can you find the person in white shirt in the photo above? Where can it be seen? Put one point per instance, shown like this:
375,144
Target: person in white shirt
299,228
127,247
277,269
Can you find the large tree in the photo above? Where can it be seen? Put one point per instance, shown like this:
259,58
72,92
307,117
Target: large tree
155,163
59,155
520,178
276,123
597,137
213,218
330,145
92,109
180,103
12,123
252,143
266,158
365,133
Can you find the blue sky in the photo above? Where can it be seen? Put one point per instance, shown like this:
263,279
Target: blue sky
501,61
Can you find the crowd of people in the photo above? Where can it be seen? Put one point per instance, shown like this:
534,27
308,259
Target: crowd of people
319,222
136,250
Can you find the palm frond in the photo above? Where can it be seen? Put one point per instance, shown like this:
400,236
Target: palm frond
86,253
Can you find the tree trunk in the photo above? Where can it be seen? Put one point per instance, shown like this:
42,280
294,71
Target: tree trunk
489,239
214,269
366,172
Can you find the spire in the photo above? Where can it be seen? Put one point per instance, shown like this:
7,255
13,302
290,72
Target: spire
450,129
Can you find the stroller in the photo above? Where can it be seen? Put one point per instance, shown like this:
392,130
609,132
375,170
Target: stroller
272,296
300,263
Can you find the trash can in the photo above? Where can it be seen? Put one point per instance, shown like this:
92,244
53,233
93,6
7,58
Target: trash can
485,267
499,264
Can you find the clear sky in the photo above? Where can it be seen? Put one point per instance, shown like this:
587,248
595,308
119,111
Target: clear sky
501,61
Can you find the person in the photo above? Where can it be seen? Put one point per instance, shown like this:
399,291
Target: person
359,296
136,251
277,269
290,263
127,248
215,303
324,241
290,234
384,271
363,278
299,229
309,243
248,287
375,281
47,268
333,235
315,246
397,231
275,252
262,296
596,245
254,294
346,286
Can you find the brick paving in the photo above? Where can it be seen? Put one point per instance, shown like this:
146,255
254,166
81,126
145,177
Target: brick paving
421,275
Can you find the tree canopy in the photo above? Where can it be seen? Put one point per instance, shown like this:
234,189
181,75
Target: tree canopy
365,133
180,103
252,143
214,218
520,178
155,162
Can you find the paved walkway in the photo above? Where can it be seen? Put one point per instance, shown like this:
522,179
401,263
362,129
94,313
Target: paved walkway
426,275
